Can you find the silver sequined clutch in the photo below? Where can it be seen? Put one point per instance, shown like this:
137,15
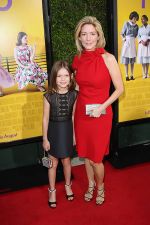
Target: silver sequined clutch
90,107
47,162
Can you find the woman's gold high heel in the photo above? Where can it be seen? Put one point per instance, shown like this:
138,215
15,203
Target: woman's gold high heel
89,194
100,195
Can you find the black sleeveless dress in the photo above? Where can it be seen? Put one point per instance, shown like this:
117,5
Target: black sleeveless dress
60,129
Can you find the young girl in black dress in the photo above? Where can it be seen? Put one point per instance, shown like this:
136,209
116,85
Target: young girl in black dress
59,102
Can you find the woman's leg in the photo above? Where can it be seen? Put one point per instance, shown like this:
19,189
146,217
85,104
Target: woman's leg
147,67
52,180
144,70
90,175
126,71
132,69
1,91
89,172
41,88
99,174
67,173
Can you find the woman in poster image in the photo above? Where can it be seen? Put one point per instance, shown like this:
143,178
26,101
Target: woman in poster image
128,53
28,71
144,46
95,69
6,80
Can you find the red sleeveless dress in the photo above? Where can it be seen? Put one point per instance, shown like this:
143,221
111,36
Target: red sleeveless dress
93,78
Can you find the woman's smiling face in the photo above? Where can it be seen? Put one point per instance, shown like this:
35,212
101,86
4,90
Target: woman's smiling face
88,37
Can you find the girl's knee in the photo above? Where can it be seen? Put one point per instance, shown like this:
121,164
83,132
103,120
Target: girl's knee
54,161
66,161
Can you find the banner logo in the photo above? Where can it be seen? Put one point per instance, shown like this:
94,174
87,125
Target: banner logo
8,6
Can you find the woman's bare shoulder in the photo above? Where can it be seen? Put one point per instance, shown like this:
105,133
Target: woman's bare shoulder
109,57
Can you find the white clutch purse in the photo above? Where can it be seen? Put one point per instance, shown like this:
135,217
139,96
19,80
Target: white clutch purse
89,108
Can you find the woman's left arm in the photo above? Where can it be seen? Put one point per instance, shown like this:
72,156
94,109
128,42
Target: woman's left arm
116,78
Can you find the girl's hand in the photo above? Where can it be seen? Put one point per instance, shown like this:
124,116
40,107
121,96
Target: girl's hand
97,112
46,145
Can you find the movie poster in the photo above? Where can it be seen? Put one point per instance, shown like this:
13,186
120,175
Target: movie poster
23,69
134,59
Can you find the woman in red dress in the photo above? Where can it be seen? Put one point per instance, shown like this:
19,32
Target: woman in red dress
95,69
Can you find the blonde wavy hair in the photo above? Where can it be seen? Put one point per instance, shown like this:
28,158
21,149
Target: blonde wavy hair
89,20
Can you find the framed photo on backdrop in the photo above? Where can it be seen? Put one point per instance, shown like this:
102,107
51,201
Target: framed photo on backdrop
130,142
25,62
134,104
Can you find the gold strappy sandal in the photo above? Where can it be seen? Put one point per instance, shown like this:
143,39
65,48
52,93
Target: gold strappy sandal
89,194
100,195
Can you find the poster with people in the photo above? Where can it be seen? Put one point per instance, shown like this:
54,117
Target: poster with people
134,57
23,69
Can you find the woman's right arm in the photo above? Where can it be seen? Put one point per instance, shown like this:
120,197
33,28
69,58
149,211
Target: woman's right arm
46,110
123,32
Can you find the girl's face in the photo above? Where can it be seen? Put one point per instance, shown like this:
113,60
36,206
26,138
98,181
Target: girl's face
63,79
134,20
88,37
24,40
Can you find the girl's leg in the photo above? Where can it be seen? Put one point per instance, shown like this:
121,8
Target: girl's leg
132,69
126,71
90,175
144,70
67,173
52,180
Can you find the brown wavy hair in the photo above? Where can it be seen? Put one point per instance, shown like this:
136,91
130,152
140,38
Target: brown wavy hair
19,38
52,80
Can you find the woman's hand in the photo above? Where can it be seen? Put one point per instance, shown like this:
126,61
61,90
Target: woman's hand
144,43
97,112
46,145
27,67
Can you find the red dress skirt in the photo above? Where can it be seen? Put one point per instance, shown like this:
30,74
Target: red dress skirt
92,134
